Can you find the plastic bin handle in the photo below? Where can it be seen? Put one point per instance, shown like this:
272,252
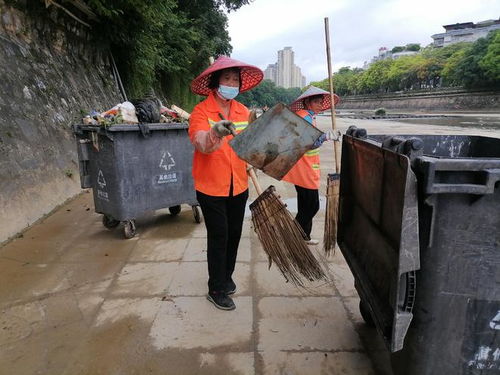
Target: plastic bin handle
491,177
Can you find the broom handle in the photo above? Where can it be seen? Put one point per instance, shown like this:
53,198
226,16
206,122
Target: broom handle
255,182
336,147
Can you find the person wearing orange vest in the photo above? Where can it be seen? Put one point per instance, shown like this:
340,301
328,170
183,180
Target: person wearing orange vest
220,176
305,174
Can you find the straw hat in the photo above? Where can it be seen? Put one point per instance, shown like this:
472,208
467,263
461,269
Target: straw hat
250,75
313,91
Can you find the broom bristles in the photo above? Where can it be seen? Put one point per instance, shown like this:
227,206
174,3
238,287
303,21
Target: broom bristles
331,215
283,239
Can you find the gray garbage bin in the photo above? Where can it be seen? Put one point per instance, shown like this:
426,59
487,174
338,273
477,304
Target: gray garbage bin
419,226
134,169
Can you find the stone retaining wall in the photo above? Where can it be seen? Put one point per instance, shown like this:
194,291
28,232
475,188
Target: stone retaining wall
432,100
50,71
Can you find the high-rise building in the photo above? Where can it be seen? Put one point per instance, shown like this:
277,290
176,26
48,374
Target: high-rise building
285,67
285,73
297,77
271,72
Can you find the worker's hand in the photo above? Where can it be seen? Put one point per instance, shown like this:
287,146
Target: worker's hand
333,135
223,128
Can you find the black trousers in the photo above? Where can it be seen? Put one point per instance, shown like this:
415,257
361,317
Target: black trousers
307,207
224,221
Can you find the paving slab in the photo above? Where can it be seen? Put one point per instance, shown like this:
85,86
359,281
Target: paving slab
196,250
191,322
155,250
24,281
307,323
144,279
270,282
344,281
291,363
190,279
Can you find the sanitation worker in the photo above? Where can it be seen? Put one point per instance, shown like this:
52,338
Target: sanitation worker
305,174
220,177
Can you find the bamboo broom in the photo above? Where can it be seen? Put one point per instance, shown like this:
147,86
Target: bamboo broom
333,182
281,236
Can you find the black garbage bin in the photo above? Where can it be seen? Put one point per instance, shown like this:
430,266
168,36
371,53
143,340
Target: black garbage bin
133,169
419,226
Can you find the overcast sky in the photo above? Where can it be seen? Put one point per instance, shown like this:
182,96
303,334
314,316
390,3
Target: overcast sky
357,28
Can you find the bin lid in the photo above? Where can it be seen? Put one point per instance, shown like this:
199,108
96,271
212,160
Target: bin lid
378,233
130,127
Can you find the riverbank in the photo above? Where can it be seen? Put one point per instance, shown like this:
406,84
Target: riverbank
430,100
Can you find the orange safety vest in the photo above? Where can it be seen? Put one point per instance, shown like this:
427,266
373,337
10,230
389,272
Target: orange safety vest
305,173
214,172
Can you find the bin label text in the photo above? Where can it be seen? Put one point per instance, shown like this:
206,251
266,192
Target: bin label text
167,178
481,345
102,195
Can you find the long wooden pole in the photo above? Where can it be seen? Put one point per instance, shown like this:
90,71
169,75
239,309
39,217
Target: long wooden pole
336,146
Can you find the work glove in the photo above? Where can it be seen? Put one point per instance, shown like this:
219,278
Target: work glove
328,136
223,128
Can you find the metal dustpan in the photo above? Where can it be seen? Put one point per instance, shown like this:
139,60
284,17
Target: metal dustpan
275,141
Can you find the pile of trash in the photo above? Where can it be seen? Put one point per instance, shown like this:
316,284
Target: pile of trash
134,112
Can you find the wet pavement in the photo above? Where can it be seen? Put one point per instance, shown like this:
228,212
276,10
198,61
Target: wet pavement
76,298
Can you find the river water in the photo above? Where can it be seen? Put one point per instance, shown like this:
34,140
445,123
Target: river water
471,121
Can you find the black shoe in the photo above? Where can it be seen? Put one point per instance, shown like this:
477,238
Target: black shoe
230,287
221,300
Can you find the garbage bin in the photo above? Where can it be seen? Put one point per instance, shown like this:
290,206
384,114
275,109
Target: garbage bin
419,226
133,169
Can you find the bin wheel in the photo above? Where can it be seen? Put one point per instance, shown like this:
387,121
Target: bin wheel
365,313
196,214
129,229
174,210
109,222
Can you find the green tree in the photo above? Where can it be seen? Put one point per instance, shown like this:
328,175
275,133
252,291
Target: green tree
490,63
164,44
397,49
376,77
268,94
468,70
452,76
412,47
403,73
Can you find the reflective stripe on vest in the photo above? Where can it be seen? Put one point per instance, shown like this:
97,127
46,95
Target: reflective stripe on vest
239,125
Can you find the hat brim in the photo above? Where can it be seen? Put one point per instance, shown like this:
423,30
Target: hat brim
326,103
250,76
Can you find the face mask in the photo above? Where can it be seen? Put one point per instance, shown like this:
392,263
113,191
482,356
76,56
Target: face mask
228,92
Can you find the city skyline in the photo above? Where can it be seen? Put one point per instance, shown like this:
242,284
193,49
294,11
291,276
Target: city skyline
285,73
357,28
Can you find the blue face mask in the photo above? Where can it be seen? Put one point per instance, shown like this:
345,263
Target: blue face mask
228,92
